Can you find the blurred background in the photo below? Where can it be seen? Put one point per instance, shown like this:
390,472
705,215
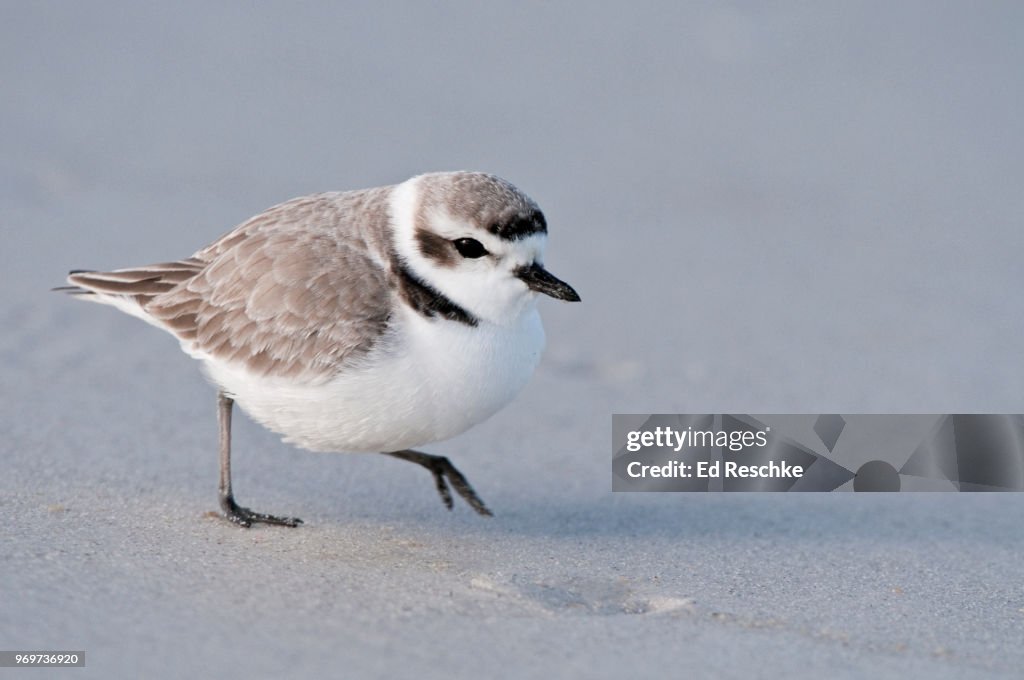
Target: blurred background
783,207
795,206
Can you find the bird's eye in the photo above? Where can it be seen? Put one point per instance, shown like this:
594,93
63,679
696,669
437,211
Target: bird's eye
470,247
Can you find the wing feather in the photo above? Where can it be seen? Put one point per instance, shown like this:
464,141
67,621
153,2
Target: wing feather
294,292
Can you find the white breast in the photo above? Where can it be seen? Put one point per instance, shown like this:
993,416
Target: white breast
429,380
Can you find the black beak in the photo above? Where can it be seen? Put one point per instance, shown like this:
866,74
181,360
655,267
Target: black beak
539,279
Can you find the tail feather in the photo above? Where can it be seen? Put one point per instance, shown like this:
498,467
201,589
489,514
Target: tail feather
149,280
131,289
71,290
98,284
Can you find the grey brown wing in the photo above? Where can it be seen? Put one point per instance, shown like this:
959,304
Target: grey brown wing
285,302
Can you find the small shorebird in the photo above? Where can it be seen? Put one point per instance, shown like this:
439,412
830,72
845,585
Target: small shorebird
365,321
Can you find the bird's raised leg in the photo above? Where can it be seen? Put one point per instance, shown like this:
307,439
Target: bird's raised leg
442,468
232,511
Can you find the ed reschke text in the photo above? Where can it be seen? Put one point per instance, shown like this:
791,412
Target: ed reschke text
715,469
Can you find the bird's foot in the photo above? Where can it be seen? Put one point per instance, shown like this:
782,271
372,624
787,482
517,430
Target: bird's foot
244,517
444,473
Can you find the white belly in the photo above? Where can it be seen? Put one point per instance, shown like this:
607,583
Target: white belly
433,380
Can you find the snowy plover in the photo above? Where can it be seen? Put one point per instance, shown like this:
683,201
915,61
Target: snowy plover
365,321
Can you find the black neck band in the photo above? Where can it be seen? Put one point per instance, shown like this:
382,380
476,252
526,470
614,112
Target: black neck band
428,301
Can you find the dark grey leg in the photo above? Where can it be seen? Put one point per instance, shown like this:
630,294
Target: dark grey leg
232,511
441,467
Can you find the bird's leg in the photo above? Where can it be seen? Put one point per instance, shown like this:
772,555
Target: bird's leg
441,468
232,511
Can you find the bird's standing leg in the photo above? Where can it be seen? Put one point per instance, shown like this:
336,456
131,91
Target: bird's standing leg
441,468
237,514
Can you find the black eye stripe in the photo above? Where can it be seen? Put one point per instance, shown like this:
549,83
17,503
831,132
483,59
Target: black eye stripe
469,247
